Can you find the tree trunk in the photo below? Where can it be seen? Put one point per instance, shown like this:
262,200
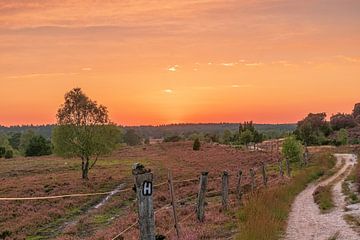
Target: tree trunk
85,168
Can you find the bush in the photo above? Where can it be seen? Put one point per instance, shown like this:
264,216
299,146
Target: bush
131,138
173,138
2,151
342,137
197,145
38,146
292,149
341,120
9,154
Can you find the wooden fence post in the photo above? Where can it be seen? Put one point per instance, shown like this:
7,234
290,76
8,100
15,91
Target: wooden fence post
225,190
281,170
253,183
306,156
173,203
263,172
238,187
200,213
144,190
288,168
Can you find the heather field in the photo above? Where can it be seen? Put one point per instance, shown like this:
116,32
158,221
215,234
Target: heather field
83,218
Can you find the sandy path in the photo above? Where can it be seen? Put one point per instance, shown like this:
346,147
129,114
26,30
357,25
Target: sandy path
305,220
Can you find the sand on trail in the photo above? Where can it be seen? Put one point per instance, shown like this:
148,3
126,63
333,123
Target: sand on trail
305,220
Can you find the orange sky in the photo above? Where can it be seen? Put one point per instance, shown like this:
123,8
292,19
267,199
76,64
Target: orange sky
167,61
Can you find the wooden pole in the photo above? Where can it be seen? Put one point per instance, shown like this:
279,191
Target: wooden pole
263,172
281,170
253,183
144,190
225,190
173,203
201,197
288,168
238,187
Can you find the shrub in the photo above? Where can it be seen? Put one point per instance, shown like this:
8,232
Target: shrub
342,120
9,154
2,151
38,146
197,145
292,149
131,138
342,137
172,138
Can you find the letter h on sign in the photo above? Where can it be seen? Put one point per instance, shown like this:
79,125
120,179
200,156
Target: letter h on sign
147,188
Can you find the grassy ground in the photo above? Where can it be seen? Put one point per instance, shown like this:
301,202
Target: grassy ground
265,214
323,198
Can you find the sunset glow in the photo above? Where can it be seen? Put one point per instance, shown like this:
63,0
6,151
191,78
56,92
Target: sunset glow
169,61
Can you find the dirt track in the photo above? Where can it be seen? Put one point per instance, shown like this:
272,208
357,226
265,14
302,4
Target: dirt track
305,220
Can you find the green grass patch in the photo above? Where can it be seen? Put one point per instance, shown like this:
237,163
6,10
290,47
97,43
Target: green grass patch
323,198
264,215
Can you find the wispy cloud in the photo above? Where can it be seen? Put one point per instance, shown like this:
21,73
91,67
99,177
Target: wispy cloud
86,69
173,68
348,59
228,64
39,75
169,91
241,85
256,64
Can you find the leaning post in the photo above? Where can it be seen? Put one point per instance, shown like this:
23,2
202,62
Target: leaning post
143,179
264,175
225,190
173,203
238,187
253,183
200,212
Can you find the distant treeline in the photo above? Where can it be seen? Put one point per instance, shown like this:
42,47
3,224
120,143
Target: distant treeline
161,131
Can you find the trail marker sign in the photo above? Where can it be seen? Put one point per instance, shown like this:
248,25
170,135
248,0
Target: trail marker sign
147,188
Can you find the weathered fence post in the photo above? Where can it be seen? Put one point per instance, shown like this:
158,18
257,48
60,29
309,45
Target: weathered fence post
306,156
144,189
253,183
225,190
288,168
200,212
173,203
263,172
281,167
238,187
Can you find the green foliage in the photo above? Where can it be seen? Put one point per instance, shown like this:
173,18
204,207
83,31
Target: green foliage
227,137
38,146
342,120
131,138
2,151
246,137
323,198
9,154
292,149
173,138
342,137
147,141
314,129
84,141
25,141
197,145
14,140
